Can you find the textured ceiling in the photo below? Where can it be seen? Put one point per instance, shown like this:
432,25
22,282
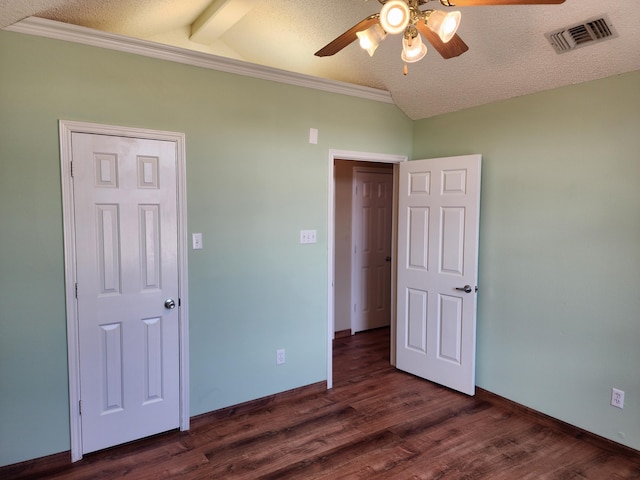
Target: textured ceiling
508,56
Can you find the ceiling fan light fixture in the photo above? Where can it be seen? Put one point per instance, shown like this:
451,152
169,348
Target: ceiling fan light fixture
444,24
395,16
413,50
371,38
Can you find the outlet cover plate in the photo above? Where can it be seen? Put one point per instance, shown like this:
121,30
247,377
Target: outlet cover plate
617,398
308,236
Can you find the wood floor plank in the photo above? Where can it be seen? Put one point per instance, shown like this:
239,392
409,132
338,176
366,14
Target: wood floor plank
281,446
376,423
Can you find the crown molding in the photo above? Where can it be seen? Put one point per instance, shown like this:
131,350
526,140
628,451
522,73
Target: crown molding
87,36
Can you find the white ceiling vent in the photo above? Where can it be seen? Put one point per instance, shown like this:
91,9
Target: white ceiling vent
581,35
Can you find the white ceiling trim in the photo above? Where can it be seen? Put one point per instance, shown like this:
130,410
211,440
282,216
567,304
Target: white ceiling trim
96,38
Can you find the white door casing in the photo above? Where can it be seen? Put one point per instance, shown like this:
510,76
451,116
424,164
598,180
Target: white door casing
125,252
371,248
438,225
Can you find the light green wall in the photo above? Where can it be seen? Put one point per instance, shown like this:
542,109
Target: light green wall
559,264
558,306
253,182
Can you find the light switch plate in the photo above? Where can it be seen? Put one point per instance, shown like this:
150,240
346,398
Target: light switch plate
313,136
196,238
308,236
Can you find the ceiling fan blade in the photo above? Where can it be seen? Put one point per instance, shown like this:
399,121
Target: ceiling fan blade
452,48
477,3
347,37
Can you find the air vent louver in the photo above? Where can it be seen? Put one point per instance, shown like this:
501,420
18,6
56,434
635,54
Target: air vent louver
582,34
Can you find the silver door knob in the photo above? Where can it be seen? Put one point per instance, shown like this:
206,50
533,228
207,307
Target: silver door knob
466,289
169,303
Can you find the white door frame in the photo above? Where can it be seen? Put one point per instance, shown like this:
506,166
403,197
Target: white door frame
358,157
67,128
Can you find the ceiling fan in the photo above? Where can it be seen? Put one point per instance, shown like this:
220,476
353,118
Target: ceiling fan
405,16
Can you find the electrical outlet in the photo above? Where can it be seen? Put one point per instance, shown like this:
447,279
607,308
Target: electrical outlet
280,356
617,398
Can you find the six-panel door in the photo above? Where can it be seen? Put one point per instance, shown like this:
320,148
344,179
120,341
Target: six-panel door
372,250
438,221
125,207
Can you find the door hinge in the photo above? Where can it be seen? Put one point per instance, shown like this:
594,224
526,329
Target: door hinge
80,407
354,308
76,290
179,302
71,163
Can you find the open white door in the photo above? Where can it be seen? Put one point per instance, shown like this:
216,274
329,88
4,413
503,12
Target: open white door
438,224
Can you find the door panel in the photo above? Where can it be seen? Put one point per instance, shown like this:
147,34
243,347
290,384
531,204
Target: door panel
418,238
372,250
438,223
125,206
416,325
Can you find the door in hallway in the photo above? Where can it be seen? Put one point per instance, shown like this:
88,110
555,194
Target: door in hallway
371,284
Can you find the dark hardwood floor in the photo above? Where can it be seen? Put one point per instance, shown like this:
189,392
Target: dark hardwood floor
376,423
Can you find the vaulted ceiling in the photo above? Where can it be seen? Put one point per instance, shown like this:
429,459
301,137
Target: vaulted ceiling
508,55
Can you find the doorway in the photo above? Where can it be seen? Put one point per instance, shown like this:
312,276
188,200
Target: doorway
456,227
350,159
363,213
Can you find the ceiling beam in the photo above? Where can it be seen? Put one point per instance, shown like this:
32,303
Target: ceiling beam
217,18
